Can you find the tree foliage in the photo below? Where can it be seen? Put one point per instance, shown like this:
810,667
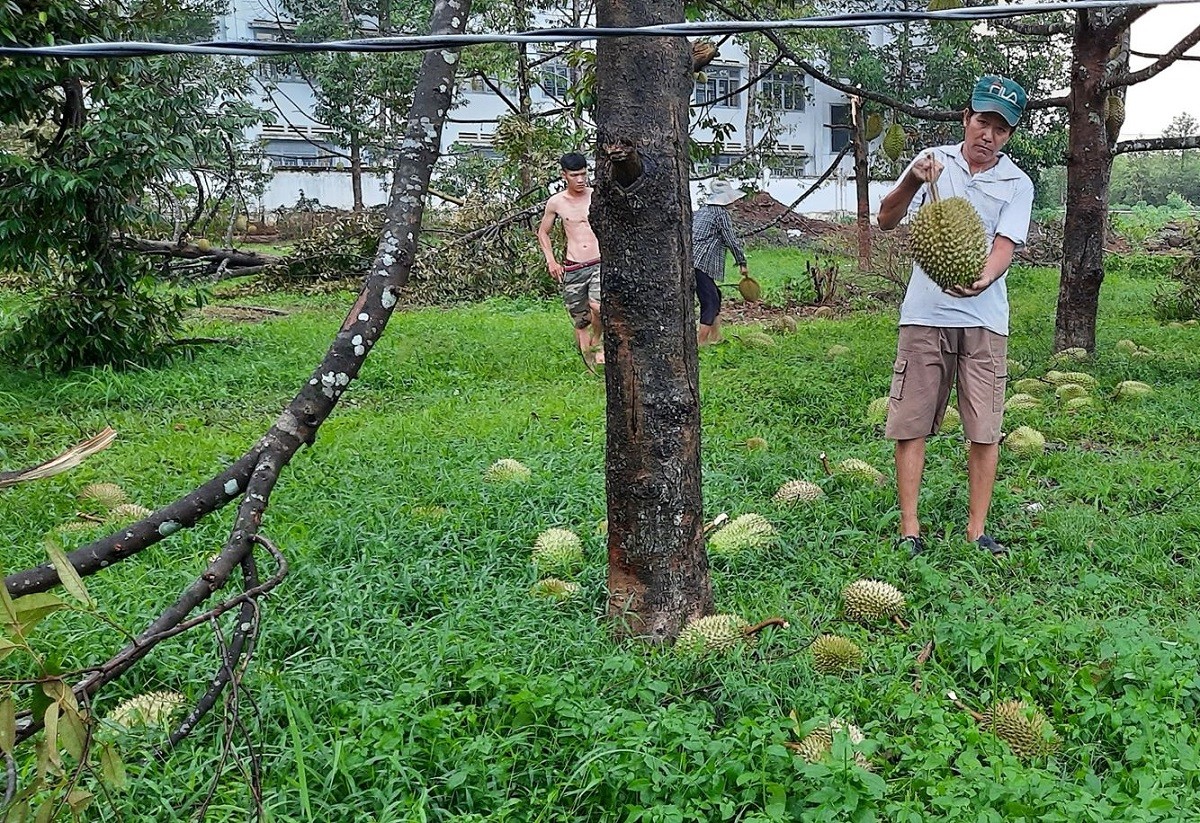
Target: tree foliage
85,141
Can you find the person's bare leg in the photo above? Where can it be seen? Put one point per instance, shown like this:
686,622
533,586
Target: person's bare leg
706,335
583,340
597,331
910,465
981,479
714,335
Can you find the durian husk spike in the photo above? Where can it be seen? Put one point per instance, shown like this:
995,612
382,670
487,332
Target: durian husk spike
824,458
750,631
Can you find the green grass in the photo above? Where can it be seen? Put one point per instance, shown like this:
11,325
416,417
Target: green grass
404,674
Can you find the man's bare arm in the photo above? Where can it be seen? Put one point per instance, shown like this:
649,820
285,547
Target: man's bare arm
543,236
999,259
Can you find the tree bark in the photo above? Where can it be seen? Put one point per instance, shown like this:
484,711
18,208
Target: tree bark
641,212
862,184
356,171
1089,167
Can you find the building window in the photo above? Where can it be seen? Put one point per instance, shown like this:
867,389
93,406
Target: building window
555,78
275,68
788,163
840,127
717,89
785,90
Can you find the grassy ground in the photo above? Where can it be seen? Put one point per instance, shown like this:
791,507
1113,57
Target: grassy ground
405,674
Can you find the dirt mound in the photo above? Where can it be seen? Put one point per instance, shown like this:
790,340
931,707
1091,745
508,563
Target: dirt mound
761,209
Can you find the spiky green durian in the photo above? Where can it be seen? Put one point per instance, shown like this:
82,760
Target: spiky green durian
128,513
1079,403
151,709
1070,391
105,495
1126,346
756,444
818,744
798,490
874,125
1132,389
553,588
824,312
837,351
557,551
758,340
507,470
1025,440
1032,385
861,470
877,411
1072,354
749,289
1061,378
833,654
951,420
893,141
786,324
1114,116
868,601
1019,402
948,241
715,634
748,532
1025,729
1143,353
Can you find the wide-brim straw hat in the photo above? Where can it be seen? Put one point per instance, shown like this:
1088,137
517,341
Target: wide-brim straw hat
723,193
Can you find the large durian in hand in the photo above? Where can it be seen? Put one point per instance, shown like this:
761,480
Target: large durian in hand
948,240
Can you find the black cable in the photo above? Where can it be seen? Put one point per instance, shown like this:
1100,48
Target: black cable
566,35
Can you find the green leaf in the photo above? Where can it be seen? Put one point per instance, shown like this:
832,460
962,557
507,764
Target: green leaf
79,799
72,731
33,608
112,769
7,647
70,578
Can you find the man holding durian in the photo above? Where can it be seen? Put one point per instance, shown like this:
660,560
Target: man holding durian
971,208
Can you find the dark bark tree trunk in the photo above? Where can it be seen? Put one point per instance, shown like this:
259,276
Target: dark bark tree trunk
862,184
641,212
356,170
753,67
1089,167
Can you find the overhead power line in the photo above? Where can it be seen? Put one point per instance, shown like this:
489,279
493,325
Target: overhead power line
243,48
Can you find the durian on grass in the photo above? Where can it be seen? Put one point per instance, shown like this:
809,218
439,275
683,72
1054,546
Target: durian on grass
719,634
869,601
507,470
817,745
948,240
746,533
557,552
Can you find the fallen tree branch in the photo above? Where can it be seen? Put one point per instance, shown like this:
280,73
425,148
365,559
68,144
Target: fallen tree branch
66,461
232,258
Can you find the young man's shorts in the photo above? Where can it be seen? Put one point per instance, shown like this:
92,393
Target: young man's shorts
928,362
581,283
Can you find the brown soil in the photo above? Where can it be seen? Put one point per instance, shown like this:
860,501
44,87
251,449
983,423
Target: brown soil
241,314
761,209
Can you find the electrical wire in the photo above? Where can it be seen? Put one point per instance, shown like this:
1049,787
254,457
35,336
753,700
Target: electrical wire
245,48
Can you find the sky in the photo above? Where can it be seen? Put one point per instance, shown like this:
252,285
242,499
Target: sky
1150,106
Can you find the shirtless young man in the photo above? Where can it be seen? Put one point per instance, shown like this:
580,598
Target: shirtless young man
579,272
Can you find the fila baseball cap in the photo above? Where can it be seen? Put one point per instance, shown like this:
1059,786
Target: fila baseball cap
1001,95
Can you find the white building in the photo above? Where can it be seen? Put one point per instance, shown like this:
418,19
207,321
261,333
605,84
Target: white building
306,162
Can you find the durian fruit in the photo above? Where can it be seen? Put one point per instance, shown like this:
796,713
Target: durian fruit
557,551
1127,346
1025,440
748,532
105,495
715,634
1026,730
877,411
786,324
1020,402
749,288
1031,385
824,312
874,126
948,240
1114,116
951,420
1079,403
757,340
893,141
818,744
554,588
834,654
507,470
861,470
1070,391
1132,390
1143,352
602,527
1074,353
837,351
757,444
798,490
869,601
1059,378
151,709
127,513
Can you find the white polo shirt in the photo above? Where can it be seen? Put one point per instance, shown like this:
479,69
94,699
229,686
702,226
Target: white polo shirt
1003,196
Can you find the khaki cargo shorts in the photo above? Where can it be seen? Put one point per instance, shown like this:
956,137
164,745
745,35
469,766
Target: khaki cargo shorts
928,362
581,284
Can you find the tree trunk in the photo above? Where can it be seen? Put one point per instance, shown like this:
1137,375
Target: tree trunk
753,64
641,212
862,184
356,171
1089,166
